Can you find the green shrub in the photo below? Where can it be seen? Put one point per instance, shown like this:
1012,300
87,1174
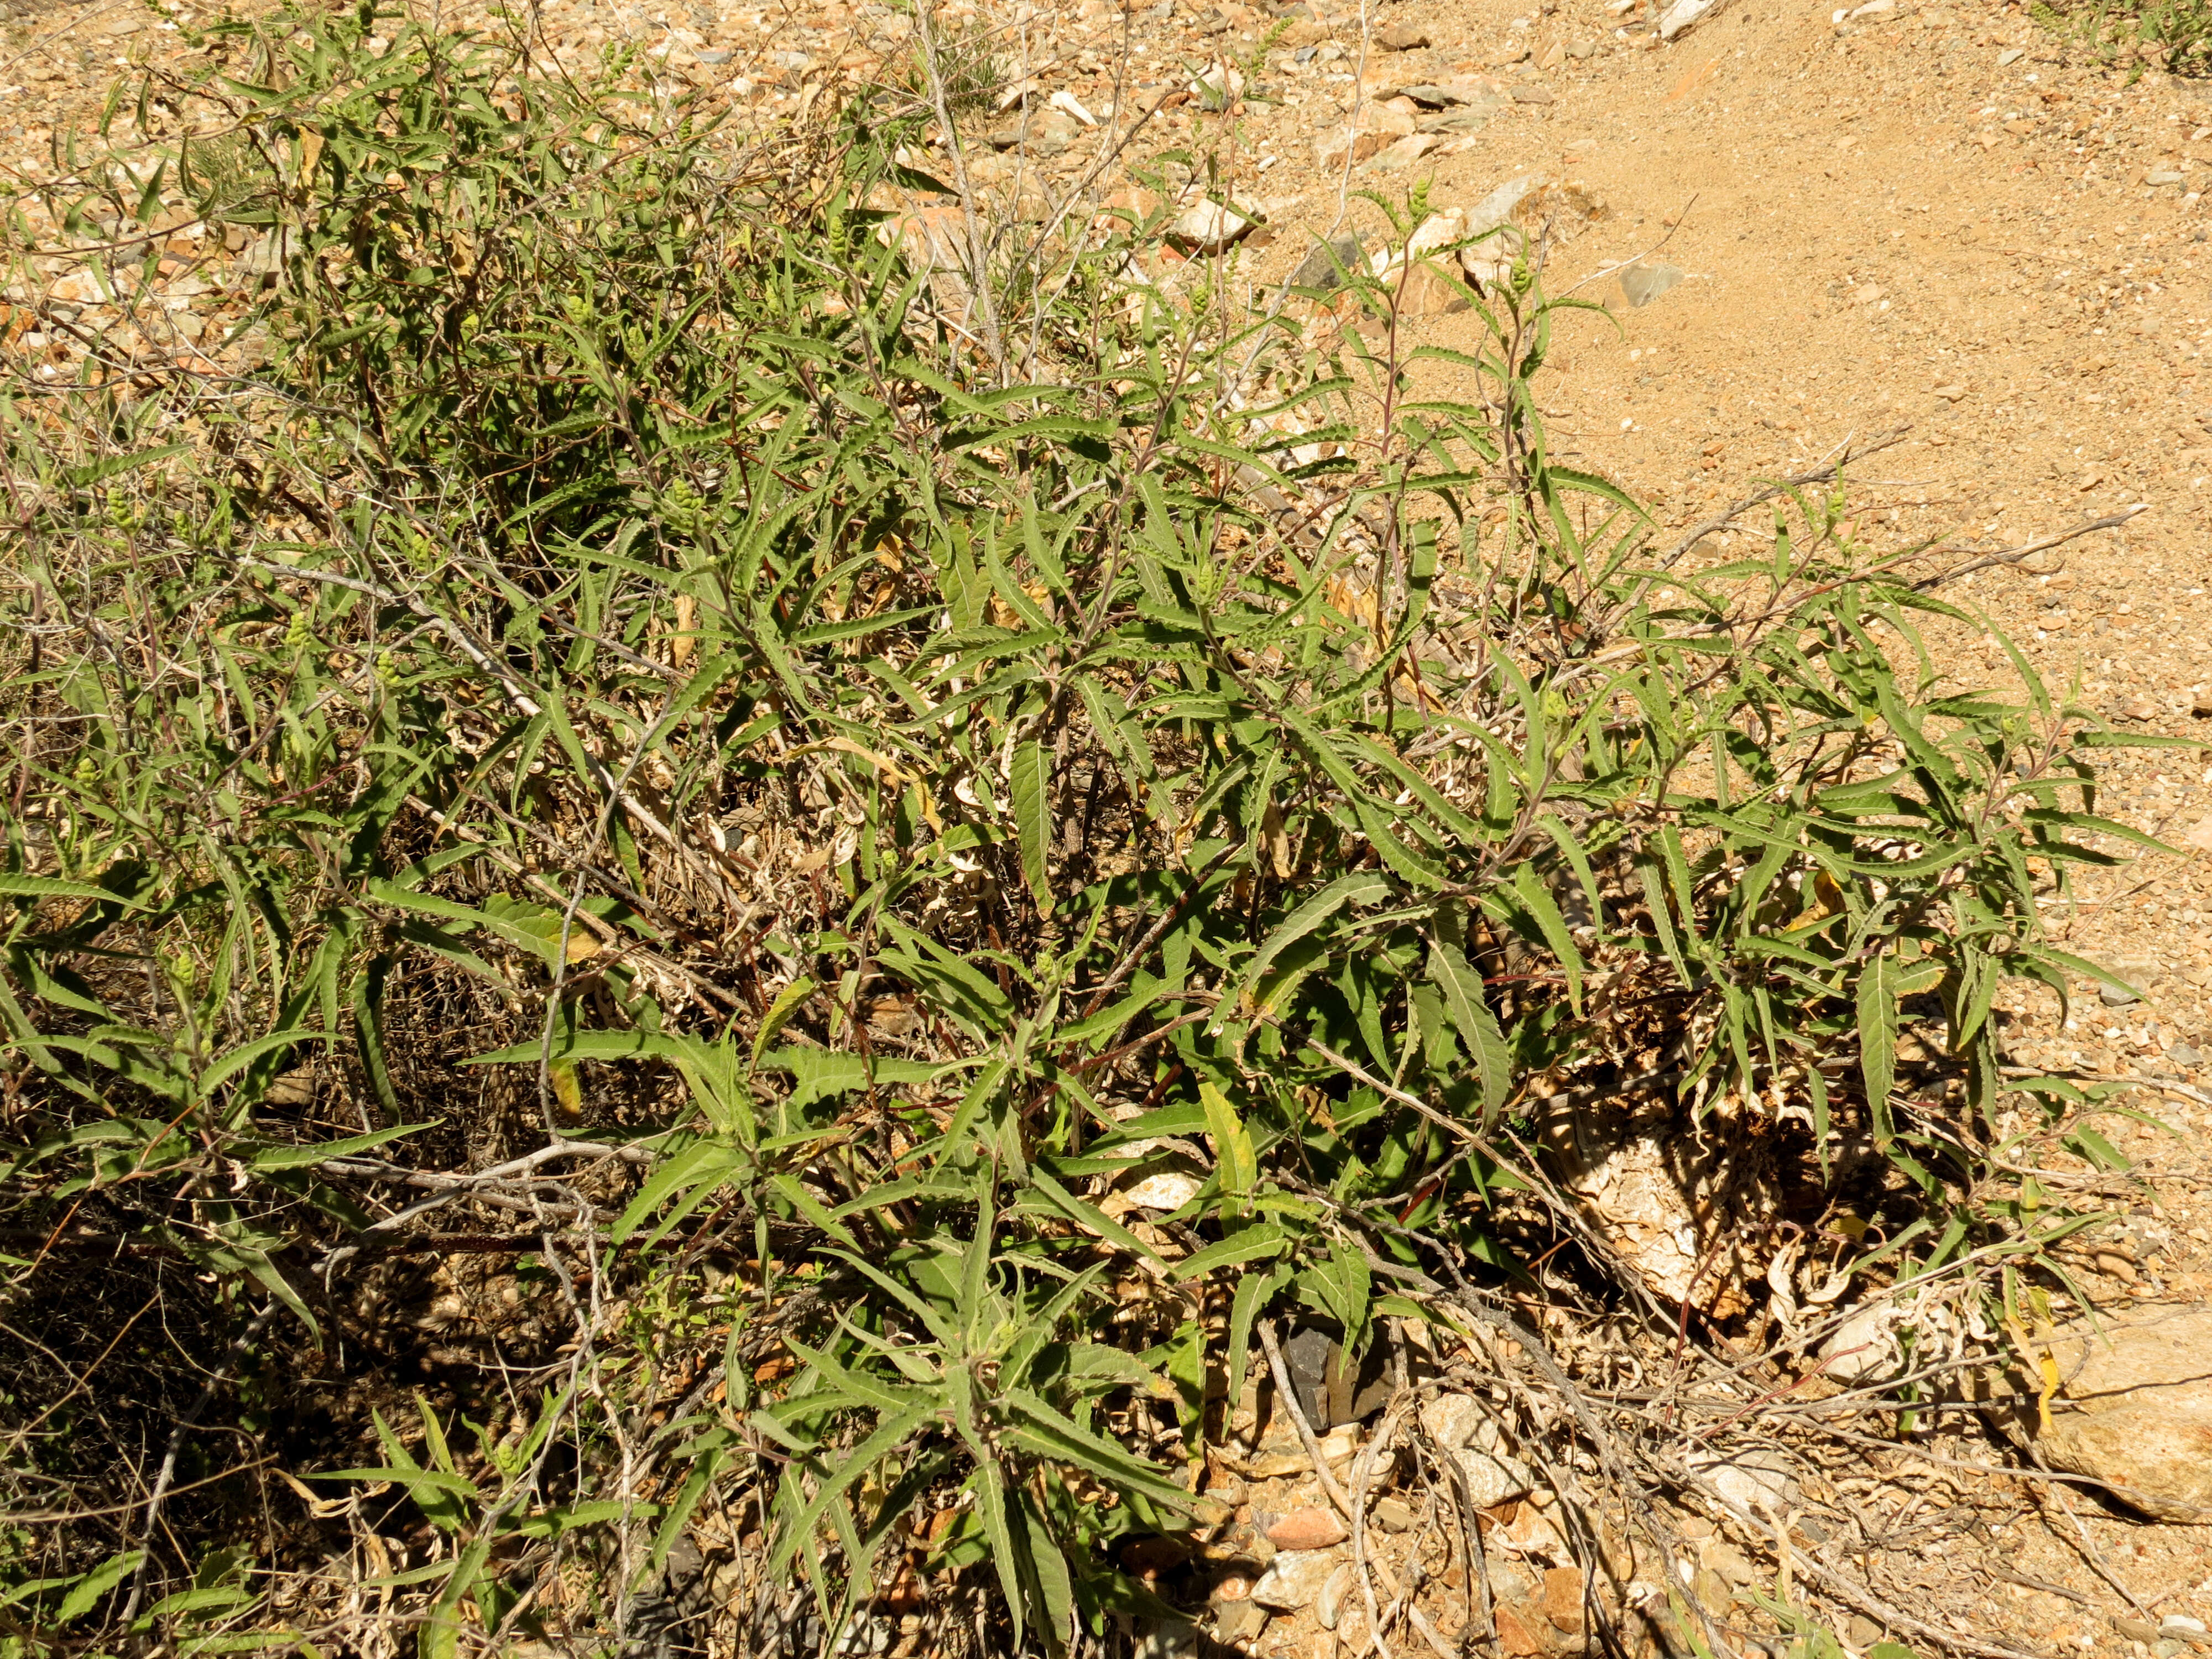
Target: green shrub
644,734
2175,36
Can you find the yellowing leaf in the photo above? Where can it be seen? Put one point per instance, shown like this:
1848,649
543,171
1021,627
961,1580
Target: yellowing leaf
567,1092
1232,1144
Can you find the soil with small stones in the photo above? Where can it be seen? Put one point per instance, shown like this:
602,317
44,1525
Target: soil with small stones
1938,219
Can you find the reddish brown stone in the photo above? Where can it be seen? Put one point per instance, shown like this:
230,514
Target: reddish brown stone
1563,1598
1314,1529
1519,1631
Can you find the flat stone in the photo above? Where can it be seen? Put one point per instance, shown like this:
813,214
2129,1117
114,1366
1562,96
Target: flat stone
1314,1528
1563,1598
1756,1485
1465,1427
1519,1632
1680,15
1042,133
1294,1580
1168,1190
1404,152
2135,1411
1401,36
1423,291
1532,94
1441,95
1207,226
1329,1607
1392,1515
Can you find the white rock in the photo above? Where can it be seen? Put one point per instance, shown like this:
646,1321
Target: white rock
1206,227
1329,1607
1496,207
1294,1579
1680,15
1861,1346
1756,1489
1465,1427
1170,1189
1437,230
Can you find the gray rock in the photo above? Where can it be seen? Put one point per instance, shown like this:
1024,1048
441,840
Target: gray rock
1449,94
1392,1515
1236,1621
1305,1356
1495,209
1041,132
2135,1411
1458,120
2116,996
2010,56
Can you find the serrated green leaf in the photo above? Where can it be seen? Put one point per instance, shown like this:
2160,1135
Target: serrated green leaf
1476,1025
1030,787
